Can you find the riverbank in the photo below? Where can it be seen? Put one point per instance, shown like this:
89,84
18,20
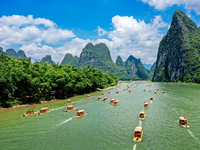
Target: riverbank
180,83
43,102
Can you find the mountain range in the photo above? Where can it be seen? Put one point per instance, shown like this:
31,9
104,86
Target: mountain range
178,57
98,56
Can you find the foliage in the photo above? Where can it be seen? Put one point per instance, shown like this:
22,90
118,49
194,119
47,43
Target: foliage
22,82
70,60
179,52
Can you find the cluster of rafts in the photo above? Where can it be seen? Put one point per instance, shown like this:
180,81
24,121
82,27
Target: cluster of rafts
81,113
138,132
112,101
34,112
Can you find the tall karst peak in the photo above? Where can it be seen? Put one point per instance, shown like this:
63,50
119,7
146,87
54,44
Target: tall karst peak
131,58
182,22
47,59
119,61
94,55
70,60
20,53
11,52
178,52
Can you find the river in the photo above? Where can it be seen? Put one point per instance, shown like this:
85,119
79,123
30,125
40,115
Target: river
108,127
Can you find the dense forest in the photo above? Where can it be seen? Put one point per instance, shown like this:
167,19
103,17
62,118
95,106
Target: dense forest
25,82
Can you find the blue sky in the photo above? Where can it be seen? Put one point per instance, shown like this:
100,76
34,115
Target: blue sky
57,27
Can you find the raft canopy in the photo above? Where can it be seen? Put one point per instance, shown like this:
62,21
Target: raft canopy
182,118
142,112
45,108
80,111
68,100
70,106
138,129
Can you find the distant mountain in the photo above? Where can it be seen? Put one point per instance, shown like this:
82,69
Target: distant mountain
97,56
179,51
11,52
21,54
70,60
47,59
135,67
147,66
119,61
1,50
151,72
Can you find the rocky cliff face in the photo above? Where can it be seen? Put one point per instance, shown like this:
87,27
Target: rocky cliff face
178,53
135,67
47,59
70,60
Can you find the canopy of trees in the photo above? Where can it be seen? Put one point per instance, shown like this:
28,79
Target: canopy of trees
23,82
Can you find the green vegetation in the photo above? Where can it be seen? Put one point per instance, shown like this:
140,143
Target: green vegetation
70,60
47,59
99,57
180,83
23,82
179,52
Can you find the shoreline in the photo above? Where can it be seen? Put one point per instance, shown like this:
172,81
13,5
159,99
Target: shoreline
43,102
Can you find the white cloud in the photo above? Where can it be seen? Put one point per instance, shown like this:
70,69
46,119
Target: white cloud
129,37
17,20
163,4
23,30
137,38
101,31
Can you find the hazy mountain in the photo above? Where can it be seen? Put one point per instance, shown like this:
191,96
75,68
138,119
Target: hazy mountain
11,52
47,59
21,54
147,66
135,67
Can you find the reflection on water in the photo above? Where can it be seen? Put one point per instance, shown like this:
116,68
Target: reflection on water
107,126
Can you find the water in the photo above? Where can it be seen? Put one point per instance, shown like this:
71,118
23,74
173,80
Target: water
107,127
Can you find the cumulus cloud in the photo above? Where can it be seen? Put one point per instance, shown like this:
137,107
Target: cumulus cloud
135,37
128,37
163,4
24,30
101,31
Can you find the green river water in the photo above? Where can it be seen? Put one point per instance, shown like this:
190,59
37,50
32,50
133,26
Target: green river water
108,127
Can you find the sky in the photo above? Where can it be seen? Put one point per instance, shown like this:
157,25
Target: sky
57,27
